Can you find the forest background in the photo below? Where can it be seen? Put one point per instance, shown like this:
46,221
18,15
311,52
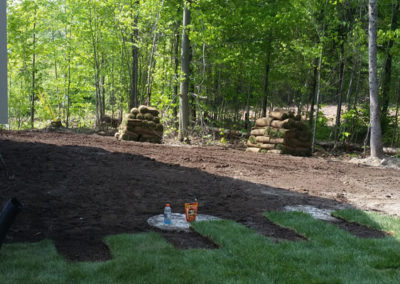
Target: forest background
82,60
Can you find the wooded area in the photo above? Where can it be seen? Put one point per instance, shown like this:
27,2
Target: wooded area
224,62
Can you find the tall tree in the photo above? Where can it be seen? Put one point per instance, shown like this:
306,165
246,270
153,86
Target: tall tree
95,23
321,35
134,91
153,50
267,68
3,64
33,91
376,134
185,69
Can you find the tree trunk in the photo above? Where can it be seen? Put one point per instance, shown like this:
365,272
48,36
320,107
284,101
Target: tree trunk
3,64
96,67
121,97
265,97
348,94
387,78
103,96
112,91
317,101
396,124
354,138
192,103
386,83
376,135
176,66
355,102
33,77
102,89
97,94
153,50
68,76
68,91
217,93
56,75
312,93
339,95
185,69
247,125
133,98
150,70
68,81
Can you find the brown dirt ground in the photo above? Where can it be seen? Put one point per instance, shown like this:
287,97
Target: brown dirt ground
79,188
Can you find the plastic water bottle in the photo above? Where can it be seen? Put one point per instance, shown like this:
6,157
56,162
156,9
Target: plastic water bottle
167,214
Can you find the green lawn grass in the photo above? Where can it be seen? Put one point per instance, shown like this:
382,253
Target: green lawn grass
329,255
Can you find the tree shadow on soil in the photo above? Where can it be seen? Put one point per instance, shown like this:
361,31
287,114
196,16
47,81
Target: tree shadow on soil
77,195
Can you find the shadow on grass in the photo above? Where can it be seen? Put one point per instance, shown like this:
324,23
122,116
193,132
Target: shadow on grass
330,255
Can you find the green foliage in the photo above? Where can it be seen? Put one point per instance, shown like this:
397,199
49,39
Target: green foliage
355,124
84,55
222,134
344,136
324,131
322,120
391,131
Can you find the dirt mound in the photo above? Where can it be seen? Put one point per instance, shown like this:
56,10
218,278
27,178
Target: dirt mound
386,162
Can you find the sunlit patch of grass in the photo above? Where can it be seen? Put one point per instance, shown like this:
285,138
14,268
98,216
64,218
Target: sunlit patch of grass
390,225
329,255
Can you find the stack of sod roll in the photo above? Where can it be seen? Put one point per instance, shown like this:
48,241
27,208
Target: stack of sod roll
282,133
141,124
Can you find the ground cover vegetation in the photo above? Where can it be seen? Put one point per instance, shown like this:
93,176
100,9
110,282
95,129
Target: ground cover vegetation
221,65
327,255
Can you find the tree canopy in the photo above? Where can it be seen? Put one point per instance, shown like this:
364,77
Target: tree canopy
88,59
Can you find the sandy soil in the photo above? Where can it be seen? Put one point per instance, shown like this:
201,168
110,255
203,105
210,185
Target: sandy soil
79,188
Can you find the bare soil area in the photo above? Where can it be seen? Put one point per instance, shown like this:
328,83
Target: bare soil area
79,188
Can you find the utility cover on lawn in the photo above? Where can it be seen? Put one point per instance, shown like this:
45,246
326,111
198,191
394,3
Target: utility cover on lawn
317,213
178,221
